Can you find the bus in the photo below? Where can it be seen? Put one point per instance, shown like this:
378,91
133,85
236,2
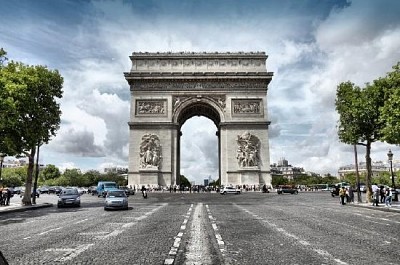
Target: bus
325,187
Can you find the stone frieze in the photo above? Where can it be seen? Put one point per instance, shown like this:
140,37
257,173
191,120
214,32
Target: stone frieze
246,106
152,107
197,85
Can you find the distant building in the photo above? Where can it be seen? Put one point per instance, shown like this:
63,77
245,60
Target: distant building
14,163
377,168
116,169
287,171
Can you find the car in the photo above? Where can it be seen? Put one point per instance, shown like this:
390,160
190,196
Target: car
227,190
43,189
116,199
104,186
69,197
287,189
21,194
127,190
57,190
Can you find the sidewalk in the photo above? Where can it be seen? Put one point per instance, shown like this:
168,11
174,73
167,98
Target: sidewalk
382,207
18,207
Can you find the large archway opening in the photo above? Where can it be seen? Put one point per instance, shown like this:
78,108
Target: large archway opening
199,158
198,145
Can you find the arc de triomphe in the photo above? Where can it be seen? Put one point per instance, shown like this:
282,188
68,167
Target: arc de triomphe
169,88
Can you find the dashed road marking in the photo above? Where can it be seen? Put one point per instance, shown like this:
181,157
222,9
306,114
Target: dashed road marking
221,243
174,249
321,252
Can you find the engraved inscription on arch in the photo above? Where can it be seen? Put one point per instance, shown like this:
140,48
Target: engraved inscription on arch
151,107
247,106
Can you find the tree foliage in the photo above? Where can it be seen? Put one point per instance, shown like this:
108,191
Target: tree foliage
370,114
390,111
49,172
29,112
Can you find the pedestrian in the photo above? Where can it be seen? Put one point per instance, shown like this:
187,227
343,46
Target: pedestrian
8,197
388,197
1,196
375,197
350,195
342,195
382,194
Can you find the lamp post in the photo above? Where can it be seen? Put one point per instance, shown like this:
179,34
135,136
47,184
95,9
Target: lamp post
390,158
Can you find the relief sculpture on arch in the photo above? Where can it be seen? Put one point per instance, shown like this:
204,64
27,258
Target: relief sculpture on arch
248,152
150,152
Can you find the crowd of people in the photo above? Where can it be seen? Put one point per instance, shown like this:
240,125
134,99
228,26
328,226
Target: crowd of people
379,195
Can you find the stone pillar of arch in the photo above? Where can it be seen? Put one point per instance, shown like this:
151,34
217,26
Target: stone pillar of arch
169,88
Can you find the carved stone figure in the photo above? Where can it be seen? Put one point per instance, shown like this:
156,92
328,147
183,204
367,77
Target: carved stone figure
150,151
247,153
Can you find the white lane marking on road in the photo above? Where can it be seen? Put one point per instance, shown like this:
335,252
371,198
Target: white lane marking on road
70,253
197,245
321,252
81,221
50,230
27,237
221,243
174,249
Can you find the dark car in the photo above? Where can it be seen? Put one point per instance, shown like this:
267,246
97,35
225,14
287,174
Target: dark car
69,197
43,189
58,190
287,189
127,190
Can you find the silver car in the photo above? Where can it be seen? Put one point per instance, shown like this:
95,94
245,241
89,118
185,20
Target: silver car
116,199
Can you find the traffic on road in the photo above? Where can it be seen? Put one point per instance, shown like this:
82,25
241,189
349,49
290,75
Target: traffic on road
203,228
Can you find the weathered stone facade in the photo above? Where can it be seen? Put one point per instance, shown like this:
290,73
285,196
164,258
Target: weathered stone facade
169,88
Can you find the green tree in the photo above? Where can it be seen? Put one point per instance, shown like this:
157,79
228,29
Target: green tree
359,121
390,111
278,180
184,181
50,172
29,113
19,172
91,177
73,177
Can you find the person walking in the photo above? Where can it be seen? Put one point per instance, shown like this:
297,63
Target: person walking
8,197
382,194
375,198
342,195
350,192
388,197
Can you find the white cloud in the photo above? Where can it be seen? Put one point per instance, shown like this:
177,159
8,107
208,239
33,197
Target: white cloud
311,50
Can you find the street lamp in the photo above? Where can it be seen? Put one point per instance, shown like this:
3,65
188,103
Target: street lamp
390,157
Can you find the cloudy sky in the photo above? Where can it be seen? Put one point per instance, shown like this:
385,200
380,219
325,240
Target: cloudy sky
312,47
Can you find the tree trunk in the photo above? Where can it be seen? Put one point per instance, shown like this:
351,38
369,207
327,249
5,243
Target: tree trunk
357,175
369,173
26,200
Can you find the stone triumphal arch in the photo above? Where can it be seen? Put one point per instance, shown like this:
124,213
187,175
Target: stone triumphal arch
169,88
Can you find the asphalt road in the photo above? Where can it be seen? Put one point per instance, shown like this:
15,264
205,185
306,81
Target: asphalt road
204,228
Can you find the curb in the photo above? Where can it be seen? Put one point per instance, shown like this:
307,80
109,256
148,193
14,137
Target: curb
378,208
26,208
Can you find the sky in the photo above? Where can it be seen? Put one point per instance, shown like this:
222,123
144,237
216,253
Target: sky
312,46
